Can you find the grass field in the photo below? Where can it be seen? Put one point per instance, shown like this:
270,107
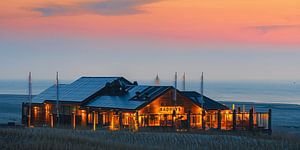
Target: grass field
48,139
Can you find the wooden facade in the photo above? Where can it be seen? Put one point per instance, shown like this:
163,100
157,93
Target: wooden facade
114,103
163,112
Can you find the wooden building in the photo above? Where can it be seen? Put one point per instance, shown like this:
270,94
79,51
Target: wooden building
118,104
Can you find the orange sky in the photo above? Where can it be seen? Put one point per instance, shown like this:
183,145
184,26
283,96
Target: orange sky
197,21
226,39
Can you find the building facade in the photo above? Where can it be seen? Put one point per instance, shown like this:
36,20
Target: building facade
115,103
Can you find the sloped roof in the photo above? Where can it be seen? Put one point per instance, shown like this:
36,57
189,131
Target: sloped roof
79,90
48,94
135,97
208,104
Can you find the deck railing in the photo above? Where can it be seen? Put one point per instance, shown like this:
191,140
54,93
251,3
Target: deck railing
222,121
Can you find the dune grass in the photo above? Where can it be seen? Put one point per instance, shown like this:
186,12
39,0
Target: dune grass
48,139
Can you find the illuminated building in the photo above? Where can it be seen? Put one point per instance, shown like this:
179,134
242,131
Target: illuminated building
118,104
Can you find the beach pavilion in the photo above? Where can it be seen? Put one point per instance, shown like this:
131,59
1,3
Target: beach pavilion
115,103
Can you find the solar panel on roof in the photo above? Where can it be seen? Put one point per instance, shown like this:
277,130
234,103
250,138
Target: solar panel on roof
85,87
77,91
48,94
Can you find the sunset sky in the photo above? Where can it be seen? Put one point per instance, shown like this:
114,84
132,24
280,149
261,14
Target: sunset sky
226,39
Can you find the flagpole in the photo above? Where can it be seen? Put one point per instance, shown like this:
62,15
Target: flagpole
175,92
57,99
202,97
183,82
30,99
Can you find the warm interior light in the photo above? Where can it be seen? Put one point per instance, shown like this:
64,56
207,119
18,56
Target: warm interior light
47,113
83,117
112,123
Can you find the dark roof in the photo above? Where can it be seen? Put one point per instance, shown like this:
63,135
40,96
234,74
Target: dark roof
136,96
208,104
48,94
116,92
79,90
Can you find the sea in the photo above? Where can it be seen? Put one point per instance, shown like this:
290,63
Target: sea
283,97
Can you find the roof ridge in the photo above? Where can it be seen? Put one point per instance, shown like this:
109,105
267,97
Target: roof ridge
100,77
155,85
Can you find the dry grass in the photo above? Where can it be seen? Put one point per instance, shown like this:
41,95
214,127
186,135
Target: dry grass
48,139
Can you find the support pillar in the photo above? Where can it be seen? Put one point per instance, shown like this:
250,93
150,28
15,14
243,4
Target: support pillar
87,118
121,120
23,120
251,124
270,121
94,120
29,116
147,119
234,120
203,119
43,109
137,120
188,120
57,120
112,123
219,120
173,118
51,121
100,120
74,120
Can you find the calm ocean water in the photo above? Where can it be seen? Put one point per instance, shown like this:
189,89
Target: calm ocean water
246,91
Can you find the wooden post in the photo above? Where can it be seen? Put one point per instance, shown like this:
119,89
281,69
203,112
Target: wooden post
148,119
23,121
137,120
57,119
219,119
270,121
29,117
87,117
43,109
112,123
188,120
94,120
74,120
234,120
121,120
173,117
100,120
51,121
251,119
203,119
